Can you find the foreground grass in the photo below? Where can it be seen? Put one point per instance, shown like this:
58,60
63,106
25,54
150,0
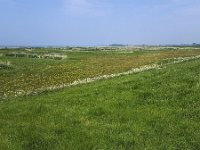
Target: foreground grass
158,109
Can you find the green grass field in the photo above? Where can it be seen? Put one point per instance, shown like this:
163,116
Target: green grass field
27,75
156,109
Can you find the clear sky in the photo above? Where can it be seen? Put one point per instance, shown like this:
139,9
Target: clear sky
99,22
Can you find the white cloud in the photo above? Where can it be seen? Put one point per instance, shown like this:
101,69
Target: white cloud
87,7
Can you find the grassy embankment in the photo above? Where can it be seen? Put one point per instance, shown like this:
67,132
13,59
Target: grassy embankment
157,109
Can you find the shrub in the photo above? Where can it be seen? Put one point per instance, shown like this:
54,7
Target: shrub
10,55
21,55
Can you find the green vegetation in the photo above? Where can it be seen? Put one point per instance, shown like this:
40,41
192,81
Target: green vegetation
157,109
27,74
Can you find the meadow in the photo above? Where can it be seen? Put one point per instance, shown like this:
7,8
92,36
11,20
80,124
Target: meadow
31,71
155,109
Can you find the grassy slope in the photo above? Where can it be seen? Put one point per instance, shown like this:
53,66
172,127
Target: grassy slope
158,109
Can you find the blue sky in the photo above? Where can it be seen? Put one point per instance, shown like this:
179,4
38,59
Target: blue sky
99,22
